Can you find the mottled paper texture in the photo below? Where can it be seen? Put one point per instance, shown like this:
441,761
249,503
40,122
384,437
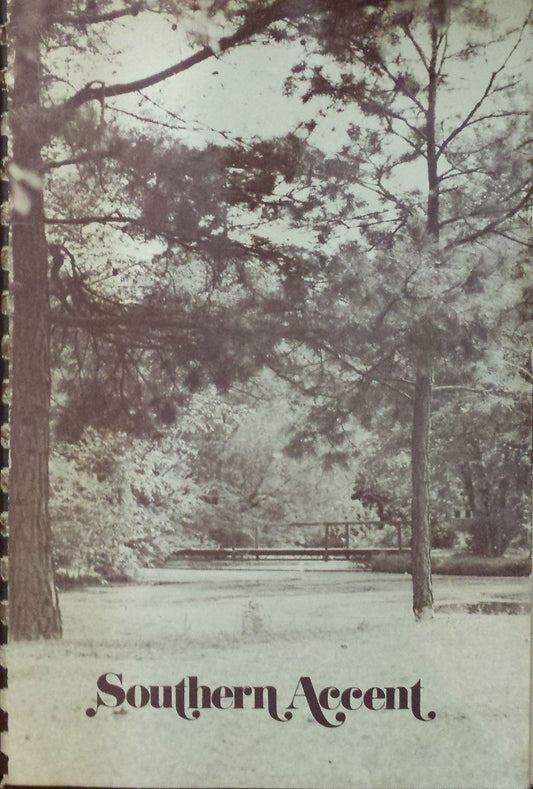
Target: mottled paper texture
269,393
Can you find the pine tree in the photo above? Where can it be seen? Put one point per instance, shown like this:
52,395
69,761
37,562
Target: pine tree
39,120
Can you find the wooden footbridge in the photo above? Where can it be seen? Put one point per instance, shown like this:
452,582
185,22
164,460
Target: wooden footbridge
325,551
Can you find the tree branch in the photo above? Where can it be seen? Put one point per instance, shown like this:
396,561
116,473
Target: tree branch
458,388
100,219
92,19
486,93
256,22
492,226
90,156
414,42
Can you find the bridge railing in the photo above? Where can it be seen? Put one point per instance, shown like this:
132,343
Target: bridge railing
346,524
324,551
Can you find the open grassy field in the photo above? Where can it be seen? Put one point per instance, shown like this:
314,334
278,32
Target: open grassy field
269,623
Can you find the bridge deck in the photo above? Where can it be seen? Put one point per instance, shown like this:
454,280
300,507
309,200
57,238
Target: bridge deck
280,553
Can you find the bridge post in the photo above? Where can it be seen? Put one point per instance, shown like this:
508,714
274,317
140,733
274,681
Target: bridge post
347,537
256,541
326,541
399,533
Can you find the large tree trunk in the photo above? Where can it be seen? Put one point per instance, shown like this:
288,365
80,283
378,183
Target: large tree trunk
33,603
421,533
420,526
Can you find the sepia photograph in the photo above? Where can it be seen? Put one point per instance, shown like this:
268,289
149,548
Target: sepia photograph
269,389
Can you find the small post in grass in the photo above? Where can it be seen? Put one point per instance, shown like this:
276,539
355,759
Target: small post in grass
347,537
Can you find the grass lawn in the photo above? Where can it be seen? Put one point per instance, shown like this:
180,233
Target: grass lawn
269,623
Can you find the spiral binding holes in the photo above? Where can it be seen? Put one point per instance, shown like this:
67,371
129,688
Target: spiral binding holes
4,370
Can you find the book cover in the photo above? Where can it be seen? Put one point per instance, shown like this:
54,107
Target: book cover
269,393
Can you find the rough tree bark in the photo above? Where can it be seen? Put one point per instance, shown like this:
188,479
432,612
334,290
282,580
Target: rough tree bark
33,603
421,535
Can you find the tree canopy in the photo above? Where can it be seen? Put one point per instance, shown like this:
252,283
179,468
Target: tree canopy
370,252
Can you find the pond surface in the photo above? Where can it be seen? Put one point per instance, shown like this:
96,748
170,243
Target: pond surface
269,578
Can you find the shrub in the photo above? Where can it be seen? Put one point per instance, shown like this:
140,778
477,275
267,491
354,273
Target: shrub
109,516
453,565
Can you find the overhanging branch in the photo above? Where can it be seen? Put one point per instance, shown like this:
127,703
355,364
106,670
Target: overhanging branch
93,18
256,22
